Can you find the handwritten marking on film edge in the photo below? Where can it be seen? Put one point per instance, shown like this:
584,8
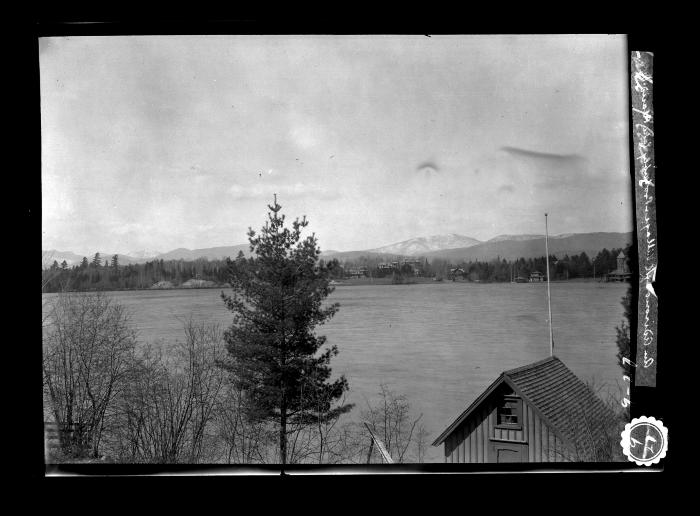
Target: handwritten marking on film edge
645,134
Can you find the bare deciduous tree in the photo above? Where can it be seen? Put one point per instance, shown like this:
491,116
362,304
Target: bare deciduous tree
244,441
392,422
169,406
88,352
173,404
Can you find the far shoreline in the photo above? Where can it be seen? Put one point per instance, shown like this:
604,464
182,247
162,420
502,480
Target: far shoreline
354,282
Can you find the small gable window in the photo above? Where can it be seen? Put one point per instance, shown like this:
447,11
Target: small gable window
509,412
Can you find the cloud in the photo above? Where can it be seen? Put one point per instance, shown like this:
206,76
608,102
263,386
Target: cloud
293,191
516,152
506,188
305,137
136,138
543,170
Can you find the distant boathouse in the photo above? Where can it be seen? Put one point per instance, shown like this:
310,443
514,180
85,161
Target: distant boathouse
541,412
622,272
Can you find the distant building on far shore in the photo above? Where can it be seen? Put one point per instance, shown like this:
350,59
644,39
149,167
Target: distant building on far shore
458,271
356,272
622,273
415,264
536,277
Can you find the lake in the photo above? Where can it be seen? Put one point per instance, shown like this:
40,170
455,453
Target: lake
440,344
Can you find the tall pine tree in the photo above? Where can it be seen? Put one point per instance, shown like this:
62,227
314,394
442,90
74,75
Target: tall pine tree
274,355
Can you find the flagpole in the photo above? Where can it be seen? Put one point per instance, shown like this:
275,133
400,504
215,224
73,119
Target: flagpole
549,301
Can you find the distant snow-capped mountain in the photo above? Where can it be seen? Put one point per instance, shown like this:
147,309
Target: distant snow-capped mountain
559,245
48,257
210,253
419,245
71,258
143,254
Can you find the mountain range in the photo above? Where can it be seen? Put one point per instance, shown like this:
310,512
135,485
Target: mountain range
422,245
210,253
559,245
452,247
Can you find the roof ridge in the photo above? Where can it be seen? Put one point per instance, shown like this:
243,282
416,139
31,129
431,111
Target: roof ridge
526,378
530,366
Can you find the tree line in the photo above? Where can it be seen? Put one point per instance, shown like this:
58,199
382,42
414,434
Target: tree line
110,275
496,270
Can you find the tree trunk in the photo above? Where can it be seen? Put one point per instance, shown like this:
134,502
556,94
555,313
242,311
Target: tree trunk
283,428
283,400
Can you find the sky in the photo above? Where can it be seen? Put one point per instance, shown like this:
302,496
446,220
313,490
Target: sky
159,142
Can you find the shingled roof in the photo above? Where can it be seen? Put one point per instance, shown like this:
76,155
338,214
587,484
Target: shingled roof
561,399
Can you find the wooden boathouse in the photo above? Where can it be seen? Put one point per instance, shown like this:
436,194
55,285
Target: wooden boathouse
622,272
541,412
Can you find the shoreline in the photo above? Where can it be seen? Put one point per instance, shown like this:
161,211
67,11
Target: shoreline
417,281
361,282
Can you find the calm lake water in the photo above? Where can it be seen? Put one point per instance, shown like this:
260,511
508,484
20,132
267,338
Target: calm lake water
439,344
